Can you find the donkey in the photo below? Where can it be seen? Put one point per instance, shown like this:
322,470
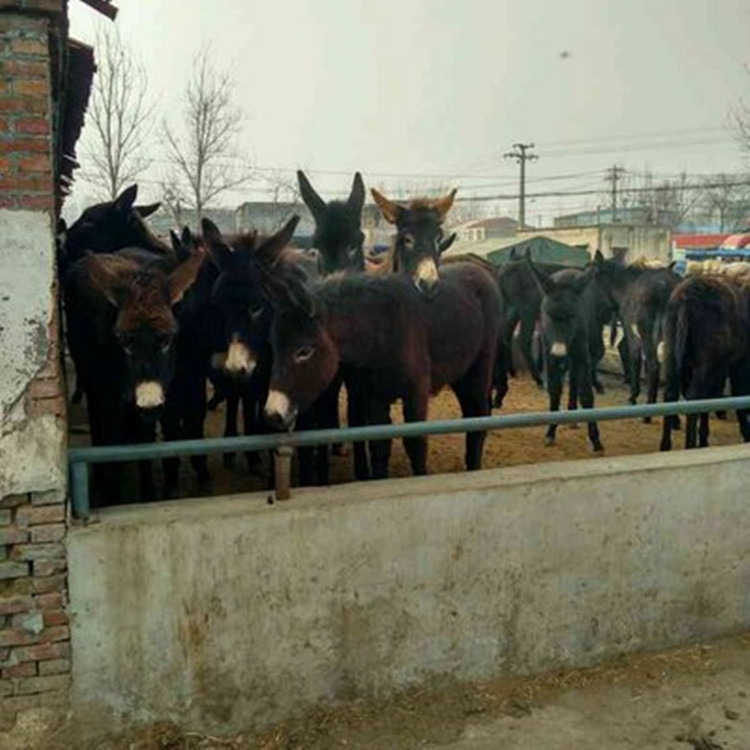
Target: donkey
122,331
419,232
640,295
567,315
396,342
707,340
111,226
338,233
241,315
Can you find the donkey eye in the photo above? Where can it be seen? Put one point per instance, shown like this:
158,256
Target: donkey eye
408,241
303,353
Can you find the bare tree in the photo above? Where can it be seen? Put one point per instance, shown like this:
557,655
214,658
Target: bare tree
283,187
119,115
666,202
726,198
203,152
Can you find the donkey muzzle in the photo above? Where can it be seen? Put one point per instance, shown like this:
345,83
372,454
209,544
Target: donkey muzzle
279,412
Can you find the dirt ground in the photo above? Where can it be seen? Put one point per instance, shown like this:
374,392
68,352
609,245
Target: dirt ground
695,698
508,448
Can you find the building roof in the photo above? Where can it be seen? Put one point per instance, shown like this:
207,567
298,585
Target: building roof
698,240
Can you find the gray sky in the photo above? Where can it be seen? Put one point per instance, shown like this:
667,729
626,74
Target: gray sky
434,91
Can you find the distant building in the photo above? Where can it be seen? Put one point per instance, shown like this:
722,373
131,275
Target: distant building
479,230
163,220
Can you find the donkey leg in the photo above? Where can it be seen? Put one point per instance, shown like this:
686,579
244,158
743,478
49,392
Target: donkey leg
507,337
703,431
586,393
379,412
555,375
652,375
525,340
691,431
356,414
573,394
415,410
252,425
470,394
230,423
170,425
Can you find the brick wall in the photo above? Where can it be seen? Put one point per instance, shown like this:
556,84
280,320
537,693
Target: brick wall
34,637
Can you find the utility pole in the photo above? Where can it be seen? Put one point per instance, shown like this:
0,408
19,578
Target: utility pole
521,155
613,175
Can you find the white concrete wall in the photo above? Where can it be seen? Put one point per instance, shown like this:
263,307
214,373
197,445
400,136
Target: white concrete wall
223,612
31,451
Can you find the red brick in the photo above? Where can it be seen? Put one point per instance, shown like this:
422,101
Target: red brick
15,638
41,514
32,685
55,617
42,407
54,634
41,652
32,126
31,87
37,552
56,666
16,586
26,182
27,68
14,605
48,601
13,535
29,47
27,106
48,585
25,146
5,164
13,501
27,669
13,570
39,163
54,532
44,568
45,387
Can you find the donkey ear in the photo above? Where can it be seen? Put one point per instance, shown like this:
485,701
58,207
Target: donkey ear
125,200
513,254
672,265
176,244
147,210
312,200
580,284
109,275
270,251
443,205
182,278
391,211
543,280
446,243
217,246
598,258
357,195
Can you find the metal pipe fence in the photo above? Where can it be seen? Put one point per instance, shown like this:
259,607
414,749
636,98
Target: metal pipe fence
79,459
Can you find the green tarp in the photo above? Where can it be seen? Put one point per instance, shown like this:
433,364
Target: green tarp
543,250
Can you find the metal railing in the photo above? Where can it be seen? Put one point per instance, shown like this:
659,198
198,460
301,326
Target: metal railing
79,459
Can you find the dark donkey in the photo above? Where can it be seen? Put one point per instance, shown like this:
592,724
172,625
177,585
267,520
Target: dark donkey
400,345
241,314
641,296
707,340
567,316
338,227
122,332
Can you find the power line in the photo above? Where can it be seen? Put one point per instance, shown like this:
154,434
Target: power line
613,175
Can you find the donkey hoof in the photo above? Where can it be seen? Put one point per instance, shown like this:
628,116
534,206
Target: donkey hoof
573,425
549,440
340,449
598,450
647,420
599,388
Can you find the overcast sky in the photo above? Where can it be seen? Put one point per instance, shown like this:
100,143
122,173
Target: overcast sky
434,91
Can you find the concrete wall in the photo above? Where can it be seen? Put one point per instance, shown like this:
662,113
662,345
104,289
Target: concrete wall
223,612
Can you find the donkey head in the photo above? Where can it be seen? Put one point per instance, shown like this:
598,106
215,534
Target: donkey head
145,325
241,310
418,239
561,305
338,233
305,358
107,227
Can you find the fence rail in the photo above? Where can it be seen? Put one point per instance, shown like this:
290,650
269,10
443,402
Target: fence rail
79,459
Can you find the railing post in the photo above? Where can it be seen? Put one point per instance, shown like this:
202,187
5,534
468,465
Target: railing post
79,487
282,467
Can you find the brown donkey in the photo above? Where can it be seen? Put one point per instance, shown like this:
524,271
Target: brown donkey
393,344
